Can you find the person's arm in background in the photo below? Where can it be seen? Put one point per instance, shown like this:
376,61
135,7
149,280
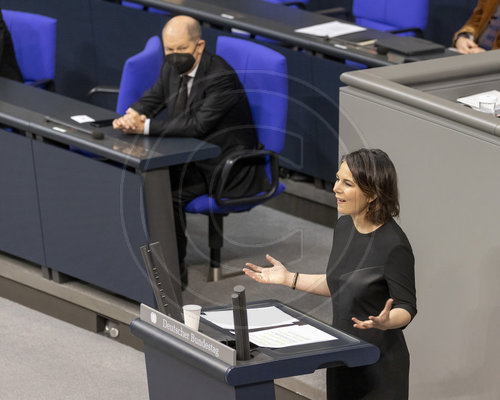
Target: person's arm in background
464,38
8,63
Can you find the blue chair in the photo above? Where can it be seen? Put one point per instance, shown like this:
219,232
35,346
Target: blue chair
401,17
144,8
139,73
263,73
290,3
34,40
397,16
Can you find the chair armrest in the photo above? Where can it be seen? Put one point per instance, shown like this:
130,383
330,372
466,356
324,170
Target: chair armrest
418,32
102,89
249,200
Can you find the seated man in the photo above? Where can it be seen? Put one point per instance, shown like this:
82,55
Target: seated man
205,100
8,63
481,31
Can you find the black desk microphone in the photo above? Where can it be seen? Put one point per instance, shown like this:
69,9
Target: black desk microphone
95,134
241,323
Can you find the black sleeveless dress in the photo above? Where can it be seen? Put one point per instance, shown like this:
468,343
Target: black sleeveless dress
364,271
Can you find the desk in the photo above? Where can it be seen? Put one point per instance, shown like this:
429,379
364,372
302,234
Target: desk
81,216
178,368
277,22
85,60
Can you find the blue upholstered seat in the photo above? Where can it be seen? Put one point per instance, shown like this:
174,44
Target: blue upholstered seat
139,73
34,40
263,73
400,16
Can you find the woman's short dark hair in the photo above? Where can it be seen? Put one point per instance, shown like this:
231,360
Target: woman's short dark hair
374,173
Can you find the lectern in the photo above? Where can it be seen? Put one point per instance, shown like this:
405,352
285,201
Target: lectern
186,364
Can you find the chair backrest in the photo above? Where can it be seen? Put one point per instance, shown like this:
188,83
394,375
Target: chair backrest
137,6
385,15
263,73
291,3
34,40
139,73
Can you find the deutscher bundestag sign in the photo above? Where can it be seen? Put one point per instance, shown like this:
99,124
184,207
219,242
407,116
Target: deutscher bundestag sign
194,338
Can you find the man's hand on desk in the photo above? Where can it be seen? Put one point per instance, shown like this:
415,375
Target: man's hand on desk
131,122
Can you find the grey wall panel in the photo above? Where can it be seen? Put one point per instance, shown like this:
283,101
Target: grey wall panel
93,221
449,177
20,230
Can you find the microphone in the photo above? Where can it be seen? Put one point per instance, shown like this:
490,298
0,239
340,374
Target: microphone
95,134
241,323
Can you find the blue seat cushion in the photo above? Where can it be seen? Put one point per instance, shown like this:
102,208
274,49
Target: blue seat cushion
205,204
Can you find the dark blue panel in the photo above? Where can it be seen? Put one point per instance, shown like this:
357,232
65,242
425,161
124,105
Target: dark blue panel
311,145
20,230
93,221
75,51
120,32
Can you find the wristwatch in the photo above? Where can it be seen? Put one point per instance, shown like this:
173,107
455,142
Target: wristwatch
468,35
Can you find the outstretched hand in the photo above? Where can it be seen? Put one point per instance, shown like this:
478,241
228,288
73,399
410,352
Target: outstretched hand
379,322
277,274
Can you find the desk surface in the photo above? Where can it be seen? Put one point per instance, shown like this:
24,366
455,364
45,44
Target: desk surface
278,22
265,363
23,106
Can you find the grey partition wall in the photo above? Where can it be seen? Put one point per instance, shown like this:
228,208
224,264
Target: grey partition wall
448,161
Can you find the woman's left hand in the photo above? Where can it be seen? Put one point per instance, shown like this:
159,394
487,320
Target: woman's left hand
379,322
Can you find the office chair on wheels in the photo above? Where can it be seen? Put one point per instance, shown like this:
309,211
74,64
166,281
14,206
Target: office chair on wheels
34,40
263,73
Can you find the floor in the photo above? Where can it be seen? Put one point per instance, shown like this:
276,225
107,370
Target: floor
46,358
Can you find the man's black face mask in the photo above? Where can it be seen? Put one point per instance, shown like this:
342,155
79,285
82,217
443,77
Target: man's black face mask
182,62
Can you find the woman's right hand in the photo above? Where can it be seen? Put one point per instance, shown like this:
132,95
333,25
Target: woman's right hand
467,46
277,274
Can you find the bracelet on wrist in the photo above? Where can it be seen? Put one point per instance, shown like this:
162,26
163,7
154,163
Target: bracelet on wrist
294,282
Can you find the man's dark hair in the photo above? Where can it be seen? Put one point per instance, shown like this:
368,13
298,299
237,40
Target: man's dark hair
374,173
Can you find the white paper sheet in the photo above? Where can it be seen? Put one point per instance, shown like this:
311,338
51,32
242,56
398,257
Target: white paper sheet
473,100
262,317
330,29
82,118
289,336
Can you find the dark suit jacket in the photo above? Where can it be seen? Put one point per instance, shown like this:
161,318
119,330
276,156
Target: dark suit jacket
217,112
8,63
479,20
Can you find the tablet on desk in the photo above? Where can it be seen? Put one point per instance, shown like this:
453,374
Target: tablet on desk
407,45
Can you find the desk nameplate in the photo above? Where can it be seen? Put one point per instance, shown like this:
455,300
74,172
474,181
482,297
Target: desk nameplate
194,338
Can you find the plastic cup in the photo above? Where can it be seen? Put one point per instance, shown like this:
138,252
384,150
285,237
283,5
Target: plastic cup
487,103
192,315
